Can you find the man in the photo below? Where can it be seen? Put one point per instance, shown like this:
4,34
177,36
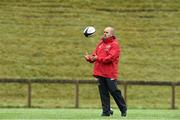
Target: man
105,59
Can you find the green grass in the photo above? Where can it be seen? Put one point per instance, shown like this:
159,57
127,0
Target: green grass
75,114
63,96
43,39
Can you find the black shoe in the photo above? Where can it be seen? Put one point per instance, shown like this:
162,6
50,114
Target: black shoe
111,112
106,115
123,114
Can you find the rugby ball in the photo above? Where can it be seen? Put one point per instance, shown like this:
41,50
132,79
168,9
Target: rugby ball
89,31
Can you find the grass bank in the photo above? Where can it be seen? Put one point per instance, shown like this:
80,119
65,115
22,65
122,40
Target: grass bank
43,39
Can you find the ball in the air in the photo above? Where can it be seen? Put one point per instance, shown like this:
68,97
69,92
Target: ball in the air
89,31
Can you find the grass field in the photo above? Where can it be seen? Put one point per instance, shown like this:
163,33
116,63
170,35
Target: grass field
94,114
43,39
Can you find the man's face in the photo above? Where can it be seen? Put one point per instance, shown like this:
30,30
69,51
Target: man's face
107,33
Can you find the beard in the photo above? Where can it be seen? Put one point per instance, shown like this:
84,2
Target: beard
104,38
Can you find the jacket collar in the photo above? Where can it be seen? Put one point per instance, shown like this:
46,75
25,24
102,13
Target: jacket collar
108,40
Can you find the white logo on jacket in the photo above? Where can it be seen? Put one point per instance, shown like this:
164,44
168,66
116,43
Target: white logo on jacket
107,47
100,46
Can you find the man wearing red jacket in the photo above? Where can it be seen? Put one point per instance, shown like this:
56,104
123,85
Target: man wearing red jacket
105,59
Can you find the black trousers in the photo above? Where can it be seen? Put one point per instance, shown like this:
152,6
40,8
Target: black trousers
106,86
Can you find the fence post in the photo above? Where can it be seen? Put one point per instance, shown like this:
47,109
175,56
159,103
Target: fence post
29,94
125,92
173,97
77,94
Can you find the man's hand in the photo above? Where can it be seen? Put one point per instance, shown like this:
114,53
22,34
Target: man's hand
90,58
87,56
93,58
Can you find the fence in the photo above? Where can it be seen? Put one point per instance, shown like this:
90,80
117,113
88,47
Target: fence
29,82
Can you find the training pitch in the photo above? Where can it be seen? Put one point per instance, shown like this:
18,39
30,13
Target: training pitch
86,114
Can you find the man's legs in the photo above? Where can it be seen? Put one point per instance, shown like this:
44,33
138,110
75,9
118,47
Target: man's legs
116,93
104,95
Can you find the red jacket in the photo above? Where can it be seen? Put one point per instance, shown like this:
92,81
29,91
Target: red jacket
108,53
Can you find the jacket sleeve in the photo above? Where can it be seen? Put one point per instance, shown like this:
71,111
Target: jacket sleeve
112,54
